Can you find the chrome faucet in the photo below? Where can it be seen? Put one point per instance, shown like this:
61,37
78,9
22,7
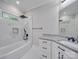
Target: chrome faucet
74,40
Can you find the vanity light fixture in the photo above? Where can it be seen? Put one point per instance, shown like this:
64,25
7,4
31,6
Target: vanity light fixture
62,1
64,13
17,2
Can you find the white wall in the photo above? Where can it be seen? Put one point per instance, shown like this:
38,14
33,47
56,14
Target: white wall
70,26
46,17
6,35
76,26
10,9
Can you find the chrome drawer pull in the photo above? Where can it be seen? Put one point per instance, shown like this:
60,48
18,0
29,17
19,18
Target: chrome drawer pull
44,47
61,48
62,56
44,42
44,56
59,55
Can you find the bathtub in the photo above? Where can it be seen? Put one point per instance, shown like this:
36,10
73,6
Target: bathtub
16,50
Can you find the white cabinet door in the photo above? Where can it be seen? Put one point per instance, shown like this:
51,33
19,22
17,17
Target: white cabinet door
61,52
55,52
66,53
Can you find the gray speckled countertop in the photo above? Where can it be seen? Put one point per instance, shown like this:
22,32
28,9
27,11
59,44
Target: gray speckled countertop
57,40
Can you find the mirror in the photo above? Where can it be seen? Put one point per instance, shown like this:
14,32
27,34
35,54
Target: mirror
68,19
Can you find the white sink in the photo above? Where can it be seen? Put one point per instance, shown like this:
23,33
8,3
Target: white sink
70,45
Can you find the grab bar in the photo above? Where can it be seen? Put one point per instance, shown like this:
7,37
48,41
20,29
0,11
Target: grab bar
40,28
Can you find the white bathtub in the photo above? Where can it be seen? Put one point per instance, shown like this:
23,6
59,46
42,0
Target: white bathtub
16,50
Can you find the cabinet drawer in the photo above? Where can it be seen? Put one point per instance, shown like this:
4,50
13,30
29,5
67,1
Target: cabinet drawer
45,48
45,42
45,55
45,45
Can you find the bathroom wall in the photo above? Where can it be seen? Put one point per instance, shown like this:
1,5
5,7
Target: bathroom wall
69,26
46,17
11,31
10,9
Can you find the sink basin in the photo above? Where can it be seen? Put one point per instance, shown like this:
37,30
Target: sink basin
70,45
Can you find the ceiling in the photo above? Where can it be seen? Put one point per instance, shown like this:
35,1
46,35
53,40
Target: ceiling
26,5
71,9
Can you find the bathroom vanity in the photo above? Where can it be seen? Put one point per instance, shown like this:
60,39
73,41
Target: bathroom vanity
52,48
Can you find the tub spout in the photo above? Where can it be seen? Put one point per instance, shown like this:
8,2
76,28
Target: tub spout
26,37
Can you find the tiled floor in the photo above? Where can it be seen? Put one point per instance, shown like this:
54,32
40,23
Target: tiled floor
32,54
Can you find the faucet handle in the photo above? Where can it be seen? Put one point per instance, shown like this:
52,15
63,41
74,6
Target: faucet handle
72,39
